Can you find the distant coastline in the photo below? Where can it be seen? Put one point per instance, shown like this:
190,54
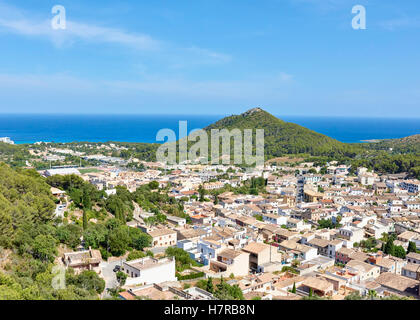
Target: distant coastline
143,128
373,140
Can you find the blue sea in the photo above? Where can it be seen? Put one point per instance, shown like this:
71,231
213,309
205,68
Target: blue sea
143,128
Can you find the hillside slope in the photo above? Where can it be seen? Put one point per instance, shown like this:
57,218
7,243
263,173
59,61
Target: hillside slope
282,137
410,144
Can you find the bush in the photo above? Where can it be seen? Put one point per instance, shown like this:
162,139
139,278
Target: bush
289,269
133,255
190,276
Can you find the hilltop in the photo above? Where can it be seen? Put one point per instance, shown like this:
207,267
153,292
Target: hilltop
284,137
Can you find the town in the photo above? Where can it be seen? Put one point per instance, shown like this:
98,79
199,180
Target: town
288,230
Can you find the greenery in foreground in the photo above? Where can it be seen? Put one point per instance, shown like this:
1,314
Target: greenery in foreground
29,241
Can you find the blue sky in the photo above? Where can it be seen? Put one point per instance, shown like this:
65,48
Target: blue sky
290,57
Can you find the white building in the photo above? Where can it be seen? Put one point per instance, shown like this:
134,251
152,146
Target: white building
6,140
352,234
61,172
275,219
149,270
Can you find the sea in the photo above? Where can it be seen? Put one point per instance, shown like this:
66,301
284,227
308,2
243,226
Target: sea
143,128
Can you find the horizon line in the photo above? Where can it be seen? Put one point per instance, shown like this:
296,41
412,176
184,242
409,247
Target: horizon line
213,115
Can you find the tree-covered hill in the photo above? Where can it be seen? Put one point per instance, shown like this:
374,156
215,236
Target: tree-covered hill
24,199
282,137
410,144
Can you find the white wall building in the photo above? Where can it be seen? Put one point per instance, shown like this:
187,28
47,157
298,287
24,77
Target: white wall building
149,270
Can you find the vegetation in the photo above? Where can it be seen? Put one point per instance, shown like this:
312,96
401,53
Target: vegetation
30,232
182,258
190,276
393,250
222,290
327,223
282,137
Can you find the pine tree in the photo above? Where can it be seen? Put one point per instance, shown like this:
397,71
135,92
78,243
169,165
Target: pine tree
411,247
294,288
389,247
85,220
209,286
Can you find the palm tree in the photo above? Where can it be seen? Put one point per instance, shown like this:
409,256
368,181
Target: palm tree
372,294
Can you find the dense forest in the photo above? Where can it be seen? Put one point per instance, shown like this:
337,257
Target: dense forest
282,137
29,242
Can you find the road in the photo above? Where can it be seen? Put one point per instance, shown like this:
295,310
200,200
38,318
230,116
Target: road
109,275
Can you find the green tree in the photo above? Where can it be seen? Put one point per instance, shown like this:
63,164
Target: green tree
354,296
121,278
389,247
139,239
119,240
85,220
88,280
45,248
69,234
201,192
411,247
209,285
372,294
399,252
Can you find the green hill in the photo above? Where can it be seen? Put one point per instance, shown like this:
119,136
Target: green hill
282,137
410,144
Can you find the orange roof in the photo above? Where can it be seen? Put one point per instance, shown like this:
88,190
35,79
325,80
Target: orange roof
126,295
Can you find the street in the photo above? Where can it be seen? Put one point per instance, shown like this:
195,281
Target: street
109,275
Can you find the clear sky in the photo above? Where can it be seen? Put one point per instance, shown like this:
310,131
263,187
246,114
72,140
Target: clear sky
290,57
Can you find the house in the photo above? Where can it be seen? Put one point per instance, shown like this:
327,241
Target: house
343,255
231,261
163,237
407,236
57,192
376,230
352,234
154,292
298,225
396,284
413,257
299,251
385,264
262,257
319,286
208,248
258,283
380,187
411,270
312,196
274,219
149,270
200,219
83,260
178,221
281,234
333,247
321,245
366,270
